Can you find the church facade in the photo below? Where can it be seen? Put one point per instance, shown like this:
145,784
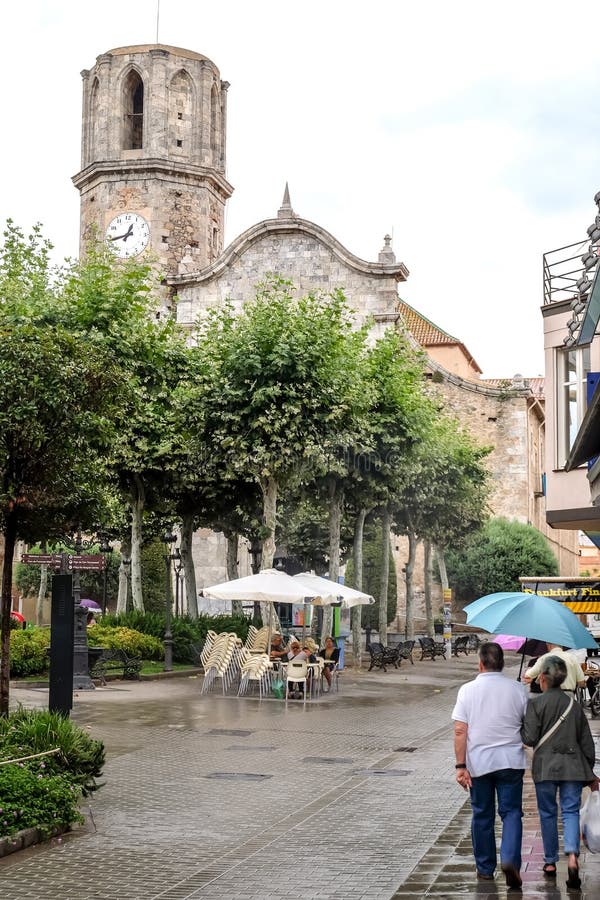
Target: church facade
153,177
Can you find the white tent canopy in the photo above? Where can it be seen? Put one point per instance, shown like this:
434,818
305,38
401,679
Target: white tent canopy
268,586
327,591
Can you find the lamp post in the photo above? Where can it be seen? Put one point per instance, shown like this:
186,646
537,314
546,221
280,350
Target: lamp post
168,540
106,549
126,563
81,676
256,557
177,567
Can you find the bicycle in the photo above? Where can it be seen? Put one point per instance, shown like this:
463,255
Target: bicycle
590,699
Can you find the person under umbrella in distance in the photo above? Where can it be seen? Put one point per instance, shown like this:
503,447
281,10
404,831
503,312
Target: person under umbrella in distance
490,762
574,677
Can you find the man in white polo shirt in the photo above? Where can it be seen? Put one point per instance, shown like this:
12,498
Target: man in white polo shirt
490,762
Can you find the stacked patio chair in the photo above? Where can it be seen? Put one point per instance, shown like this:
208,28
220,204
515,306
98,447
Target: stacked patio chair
222,661
255,668
260,640
211,637
250,636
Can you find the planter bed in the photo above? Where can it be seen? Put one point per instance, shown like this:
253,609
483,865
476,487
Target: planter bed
27,838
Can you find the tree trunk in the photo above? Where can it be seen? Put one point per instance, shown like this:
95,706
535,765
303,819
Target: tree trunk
233,540
124,578
427,586
385,572
269,491
356,611
137,509
336,503
39,606
441,562
189,572
409,625
10,538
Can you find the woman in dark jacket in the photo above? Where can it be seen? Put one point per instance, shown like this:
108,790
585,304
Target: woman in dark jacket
331,654
563,756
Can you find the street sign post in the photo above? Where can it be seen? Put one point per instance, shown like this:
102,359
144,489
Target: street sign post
53,560
91,563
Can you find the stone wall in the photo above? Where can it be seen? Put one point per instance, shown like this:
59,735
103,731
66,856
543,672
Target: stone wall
297,250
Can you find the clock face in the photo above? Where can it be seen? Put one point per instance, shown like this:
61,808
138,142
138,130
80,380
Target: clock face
128,234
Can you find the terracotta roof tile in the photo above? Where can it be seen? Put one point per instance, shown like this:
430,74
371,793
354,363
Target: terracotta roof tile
429,335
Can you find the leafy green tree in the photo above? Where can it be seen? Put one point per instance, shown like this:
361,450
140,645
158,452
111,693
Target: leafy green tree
399,415
115,304
494,558
272,389
57,412
441,498
372,572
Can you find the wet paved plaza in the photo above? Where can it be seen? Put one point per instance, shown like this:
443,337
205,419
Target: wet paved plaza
351,796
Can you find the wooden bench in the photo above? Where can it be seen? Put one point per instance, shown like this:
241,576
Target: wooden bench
460,645
116,661
430,648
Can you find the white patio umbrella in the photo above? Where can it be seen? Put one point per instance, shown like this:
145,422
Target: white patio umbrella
268,586
327,591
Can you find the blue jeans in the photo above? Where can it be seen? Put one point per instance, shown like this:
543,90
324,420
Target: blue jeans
507,785
569,793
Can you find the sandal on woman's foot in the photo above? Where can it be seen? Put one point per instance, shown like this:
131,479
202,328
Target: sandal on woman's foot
549,870
573,881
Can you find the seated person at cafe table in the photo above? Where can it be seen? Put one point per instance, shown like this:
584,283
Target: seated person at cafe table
330,654
278,647
297,653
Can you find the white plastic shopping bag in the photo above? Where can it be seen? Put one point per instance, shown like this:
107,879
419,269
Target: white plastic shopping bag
589,821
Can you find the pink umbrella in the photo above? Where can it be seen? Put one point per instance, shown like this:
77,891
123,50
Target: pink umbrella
509,641
17,615
91,604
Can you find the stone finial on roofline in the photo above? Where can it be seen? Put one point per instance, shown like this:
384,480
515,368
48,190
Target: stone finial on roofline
285,210
386,254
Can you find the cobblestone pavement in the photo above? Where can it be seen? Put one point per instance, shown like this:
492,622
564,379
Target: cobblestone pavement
351,796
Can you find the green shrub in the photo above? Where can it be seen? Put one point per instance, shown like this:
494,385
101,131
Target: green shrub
28,652
29,731
188,633
132,641
494,558
31,800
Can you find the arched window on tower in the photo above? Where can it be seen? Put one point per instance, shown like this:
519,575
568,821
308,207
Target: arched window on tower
133,107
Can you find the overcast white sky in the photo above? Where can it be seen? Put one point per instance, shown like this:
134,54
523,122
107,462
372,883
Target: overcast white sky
468,130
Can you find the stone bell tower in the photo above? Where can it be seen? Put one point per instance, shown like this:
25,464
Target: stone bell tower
153,154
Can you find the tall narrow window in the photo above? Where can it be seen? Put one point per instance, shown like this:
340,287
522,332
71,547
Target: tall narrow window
215,125
571,382
134,112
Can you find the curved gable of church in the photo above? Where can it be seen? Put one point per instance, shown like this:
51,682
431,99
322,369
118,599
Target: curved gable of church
300,251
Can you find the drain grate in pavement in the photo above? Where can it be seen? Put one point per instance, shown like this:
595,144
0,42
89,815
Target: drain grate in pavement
405,749
231,732
238,776
330,760
248,749
387,772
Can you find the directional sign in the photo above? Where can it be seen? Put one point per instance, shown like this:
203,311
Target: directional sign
40,559
82,563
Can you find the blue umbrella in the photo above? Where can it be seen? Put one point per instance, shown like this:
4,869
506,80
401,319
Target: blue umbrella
529,616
